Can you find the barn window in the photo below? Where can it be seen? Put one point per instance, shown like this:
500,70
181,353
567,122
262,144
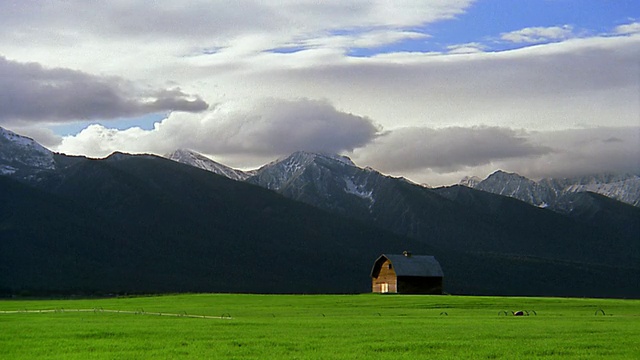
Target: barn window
390,266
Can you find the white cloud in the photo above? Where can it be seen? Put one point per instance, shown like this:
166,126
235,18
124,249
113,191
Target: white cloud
98,141
633,28
539,34
77,34
270,128
468,48
366,40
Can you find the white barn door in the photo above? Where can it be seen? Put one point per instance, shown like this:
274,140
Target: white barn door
384,288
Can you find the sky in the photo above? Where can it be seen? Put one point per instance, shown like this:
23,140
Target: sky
431,90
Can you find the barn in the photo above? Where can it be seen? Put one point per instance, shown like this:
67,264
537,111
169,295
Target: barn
406,274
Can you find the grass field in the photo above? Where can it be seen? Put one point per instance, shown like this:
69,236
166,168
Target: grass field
319,327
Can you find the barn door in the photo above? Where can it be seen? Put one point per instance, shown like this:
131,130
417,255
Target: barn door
384,288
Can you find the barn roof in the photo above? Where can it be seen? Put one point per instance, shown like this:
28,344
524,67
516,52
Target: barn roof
411,265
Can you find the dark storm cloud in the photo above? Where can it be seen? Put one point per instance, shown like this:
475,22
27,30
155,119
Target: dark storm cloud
280,127
580,152
449,154
448,149
30,92
612,140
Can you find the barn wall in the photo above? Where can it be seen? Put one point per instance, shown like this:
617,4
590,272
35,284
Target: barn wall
386,276
419,285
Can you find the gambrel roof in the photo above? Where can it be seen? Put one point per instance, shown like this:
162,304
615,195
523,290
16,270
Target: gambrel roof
410,265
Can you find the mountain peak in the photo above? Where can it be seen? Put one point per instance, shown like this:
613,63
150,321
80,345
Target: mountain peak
119,155
501,174
551,191
307,156
193,158
279,173
20,152
185,152
470,181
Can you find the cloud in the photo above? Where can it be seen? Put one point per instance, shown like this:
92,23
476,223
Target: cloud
256,59
30,92
579,152
266,129
632,28
613,139
222,56
44,136
444,156
162,42
362,39
468,48
214,24
280,127
558,85
448,149
538,34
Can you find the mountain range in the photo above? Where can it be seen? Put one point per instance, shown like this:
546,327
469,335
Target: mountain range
490,232
202,162
306,223
144,224
553,193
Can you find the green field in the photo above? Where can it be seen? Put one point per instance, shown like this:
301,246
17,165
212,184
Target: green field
319,327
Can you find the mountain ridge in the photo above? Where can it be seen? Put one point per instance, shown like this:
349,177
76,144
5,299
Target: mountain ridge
198,160
541,193
142,223
147,224
22,155
549,192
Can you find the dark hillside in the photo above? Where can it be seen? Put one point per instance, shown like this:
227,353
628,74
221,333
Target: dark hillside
145,224
141,224
601,211
518,249
486,243
519,228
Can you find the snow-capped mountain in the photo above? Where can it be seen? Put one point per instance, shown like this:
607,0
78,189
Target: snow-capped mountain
470,181
323,180
519,187
21,155
621,187
334,183
302,174
551,192
144,201
278,174
198,160
317,179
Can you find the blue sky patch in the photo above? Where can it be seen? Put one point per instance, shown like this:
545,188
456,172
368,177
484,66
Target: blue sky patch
144,122
486,21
